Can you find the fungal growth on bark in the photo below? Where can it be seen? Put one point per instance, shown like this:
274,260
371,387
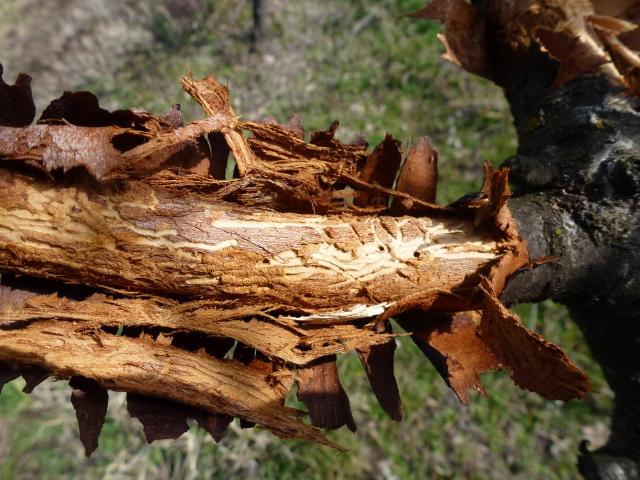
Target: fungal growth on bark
129,262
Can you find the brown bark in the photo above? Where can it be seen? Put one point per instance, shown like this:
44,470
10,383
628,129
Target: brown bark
140,277
283,338
146,240
146,367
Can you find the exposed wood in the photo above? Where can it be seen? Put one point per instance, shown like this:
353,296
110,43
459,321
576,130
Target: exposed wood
146,240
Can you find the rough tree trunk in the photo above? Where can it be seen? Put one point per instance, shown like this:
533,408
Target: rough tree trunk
571,73
577,198
576,175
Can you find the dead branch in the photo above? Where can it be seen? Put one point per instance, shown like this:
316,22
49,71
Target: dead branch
130,266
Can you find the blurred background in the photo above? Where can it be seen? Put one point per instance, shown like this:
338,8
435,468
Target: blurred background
376,71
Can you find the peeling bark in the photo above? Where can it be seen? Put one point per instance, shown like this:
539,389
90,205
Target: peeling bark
90,401
454,345
135,275
147,368
378,364
320,389
258,328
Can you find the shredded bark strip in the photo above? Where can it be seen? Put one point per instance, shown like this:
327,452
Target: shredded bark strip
130,263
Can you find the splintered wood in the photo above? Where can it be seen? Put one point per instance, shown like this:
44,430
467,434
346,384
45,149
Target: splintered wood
587,36
129,263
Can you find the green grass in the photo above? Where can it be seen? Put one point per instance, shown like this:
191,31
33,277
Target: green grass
377,72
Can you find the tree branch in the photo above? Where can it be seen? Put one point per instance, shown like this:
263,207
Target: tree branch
196,266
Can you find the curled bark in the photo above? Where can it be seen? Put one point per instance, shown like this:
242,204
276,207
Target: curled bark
140,277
